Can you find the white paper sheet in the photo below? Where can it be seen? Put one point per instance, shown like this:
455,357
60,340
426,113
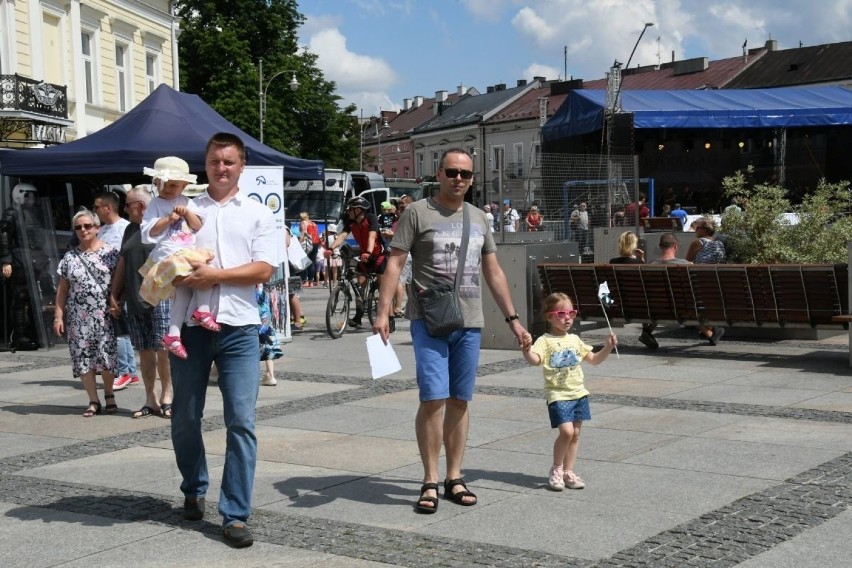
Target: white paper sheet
383,360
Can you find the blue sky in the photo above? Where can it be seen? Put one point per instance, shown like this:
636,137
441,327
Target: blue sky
382,51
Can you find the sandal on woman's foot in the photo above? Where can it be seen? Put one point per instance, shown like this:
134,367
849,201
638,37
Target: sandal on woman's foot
206,320
145,412
174,345
94,408
166,410
111,407
420,506
458,496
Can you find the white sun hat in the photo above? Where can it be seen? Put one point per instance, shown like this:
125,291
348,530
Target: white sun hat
170,168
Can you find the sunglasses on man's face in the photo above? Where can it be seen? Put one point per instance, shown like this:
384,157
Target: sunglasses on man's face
452,173
562,314
83,227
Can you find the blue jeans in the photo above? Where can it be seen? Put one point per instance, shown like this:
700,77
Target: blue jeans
126,357
236,352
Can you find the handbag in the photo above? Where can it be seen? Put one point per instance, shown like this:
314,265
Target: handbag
440,302
296,255
120,325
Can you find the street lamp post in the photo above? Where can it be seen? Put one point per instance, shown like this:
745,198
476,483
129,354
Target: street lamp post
262,89
378,135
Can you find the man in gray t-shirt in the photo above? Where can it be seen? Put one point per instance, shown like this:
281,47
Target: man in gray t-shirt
431,230
668,245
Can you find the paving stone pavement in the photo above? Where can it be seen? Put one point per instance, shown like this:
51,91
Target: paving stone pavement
738,455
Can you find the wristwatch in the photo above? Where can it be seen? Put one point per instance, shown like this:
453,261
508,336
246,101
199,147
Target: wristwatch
512,317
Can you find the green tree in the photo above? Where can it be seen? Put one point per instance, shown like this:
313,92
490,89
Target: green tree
220,47
763,233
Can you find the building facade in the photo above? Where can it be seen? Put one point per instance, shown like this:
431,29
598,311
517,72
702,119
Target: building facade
69,68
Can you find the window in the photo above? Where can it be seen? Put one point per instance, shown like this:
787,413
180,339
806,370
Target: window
419,164
151,71
121,76
497,153
406,172
535,158
436,158
518,159
88,66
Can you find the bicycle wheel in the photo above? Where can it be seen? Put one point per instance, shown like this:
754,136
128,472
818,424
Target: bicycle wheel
337,311
372,300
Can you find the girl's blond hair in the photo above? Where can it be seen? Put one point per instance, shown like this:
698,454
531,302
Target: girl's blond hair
553,301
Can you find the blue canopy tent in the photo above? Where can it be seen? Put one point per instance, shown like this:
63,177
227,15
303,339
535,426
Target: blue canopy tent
166,123
583,110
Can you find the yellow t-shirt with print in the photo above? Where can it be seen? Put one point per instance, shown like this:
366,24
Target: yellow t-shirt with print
561,357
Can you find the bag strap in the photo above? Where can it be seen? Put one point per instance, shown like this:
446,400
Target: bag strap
463,248
89,272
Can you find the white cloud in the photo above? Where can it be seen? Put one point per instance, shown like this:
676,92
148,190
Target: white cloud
361,79
487,10
529,23
539,70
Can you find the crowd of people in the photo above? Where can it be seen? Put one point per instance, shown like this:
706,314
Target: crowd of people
187,279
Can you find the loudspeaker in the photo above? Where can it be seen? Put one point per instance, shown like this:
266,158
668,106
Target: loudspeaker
622,138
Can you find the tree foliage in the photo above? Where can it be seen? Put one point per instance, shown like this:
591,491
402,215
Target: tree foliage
763,232
220,47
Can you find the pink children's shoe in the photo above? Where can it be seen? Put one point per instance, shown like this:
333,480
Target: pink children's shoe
205,319
174,345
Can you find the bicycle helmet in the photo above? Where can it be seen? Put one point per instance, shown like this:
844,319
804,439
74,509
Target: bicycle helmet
358,202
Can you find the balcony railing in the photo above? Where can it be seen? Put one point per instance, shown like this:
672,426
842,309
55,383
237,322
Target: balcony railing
26,95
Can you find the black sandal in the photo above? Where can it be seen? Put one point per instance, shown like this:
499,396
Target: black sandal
458,496
93,408
111,407
427,509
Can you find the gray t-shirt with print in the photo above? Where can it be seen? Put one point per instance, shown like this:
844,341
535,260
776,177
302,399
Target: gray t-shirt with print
433,236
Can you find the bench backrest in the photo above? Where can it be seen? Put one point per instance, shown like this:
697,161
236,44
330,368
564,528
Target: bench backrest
785,295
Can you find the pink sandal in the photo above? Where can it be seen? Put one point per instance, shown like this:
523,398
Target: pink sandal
205,319
174,345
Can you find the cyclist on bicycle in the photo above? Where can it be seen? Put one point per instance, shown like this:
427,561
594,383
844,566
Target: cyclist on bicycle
364,227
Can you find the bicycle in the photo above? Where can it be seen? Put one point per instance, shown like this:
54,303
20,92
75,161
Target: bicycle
346,290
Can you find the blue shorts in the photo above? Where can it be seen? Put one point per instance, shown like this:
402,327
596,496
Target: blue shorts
147,330
562,411
446,366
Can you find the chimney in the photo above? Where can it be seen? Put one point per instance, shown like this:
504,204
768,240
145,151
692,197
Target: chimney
406,104
539,78
772,45
461,91
489,89
522,82
418,102
440,96
500,87
673,59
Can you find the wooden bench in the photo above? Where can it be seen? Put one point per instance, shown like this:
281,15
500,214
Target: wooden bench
731,295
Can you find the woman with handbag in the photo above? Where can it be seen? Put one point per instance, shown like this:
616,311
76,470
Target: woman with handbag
82,311
310,240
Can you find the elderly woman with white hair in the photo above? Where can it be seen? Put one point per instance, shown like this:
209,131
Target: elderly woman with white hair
82,311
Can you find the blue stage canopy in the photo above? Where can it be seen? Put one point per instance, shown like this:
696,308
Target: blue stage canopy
583,110
166,123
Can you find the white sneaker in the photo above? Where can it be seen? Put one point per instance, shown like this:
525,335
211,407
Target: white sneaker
554,478
268,380
573,481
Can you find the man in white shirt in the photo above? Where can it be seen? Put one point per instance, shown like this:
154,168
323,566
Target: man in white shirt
112,232
580,225
242,232
510,217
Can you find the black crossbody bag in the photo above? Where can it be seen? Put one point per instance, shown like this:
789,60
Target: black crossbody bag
440,303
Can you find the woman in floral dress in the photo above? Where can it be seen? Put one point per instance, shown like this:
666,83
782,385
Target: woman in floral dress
82,311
